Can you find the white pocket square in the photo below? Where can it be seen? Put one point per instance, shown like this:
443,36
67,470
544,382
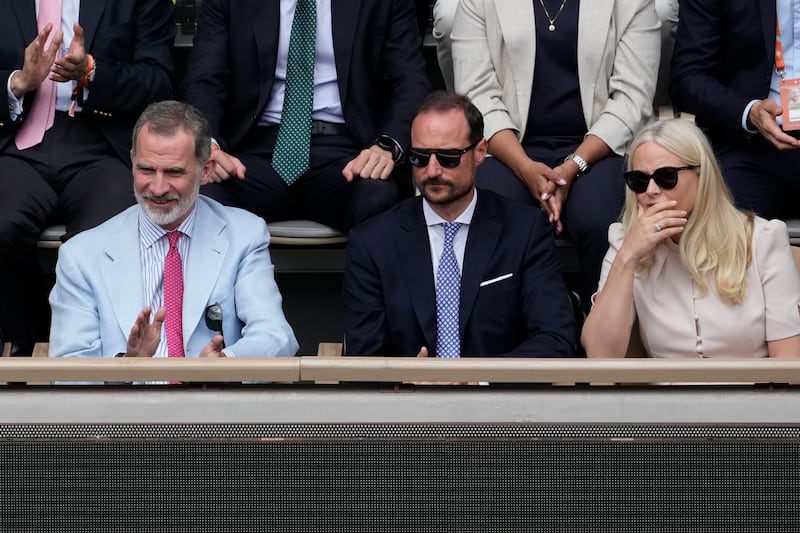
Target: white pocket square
495,280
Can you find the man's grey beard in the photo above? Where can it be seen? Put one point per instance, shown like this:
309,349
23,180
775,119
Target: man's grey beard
162,217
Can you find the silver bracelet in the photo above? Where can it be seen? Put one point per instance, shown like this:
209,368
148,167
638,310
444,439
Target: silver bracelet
583,166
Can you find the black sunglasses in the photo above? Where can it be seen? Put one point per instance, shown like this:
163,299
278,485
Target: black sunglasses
665,177
447,157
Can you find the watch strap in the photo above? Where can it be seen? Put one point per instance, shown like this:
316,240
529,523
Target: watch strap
388,143
583,166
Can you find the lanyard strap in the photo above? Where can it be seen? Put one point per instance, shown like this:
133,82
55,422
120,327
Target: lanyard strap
780,64
83,82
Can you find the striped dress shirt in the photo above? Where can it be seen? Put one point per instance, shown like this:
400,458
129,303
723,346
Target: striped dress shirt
153,246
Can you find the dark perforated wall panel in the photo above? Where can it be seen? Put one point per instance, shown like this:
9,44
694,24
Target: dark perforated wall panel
371,478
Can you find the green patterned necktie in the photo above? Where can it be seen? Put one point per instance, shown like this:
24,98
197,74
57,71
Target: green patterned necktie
290,158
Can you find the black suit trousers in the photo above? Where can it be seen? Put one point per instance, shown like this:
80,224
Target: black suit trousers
762,178
73,177
594,202
321,194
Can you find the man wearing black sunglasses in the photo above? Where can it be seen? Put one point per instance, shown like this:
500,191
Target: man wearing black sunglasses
455,272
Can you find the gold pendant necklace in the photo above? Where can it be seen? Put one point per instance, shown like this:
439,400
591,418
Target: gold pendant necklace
552,26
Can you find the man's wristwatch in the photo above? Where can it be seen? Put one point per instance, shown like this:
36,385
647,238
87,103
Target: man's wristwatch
583,166
390,145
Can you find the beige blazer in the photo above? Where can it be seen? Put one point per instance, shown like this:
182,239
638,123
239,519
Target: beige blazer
619,44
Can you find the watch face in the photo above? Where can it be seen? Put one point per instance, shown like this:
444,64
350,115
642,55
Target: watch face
385,142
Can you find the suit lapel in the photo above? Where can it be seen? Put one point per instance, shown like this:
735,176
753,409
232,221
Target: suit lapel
122,274
344,14
266,18
518,27
207,252
25,12
414,254
594,19
90,13
484,231
769,17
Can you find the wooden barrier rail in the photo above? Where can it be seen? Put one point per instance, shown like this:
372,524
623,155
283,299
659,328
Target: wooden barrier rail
397,369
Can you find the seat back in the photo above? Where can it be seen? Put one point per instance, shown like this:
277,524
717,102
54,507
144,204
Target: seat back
793,225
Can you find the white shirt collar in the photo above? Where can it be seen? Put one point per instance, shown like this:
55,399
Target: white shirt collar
150,232
433,219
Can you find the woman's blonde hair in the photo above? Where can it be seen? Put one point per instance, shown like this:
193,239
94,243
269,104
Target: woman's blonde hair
715,244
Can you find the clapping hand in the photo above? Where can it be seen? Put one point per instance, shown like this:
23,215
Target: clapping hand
145,336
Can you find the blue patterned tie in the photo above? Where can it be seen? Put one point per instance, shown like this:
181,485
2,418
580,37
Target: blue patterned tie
448,295
290,158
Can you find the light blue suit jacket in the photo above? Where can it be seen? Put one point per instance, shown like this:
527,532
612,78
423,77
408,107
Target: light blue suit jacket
99,287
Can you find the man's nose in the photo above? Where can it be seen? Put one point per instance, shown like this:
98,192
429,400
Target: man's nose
433,168
159,184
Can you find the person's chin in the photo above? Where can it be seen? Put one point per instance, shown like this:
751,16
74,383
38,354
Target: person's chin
439,199
162,216
437,194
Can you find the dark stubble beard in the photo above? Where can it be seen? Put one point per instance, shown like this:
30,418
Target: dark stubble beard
455,193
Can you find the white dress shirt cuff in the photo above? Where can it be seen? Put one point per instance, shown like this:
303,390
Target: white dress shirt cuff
14,103
746,114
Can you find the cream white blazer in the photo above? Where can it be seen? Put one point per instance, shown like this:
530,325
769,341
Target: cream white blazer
619,45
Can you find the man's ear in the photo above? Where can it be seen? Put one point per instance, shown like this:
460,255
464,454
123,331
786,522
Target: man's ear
208,169
481,149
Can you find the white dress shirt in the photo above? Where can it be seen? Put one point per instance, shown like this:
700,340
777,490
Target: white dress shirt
327,101
436,233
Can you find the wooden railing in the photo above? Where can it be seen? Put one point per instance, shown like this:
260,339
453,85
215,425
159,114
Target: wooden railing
401,369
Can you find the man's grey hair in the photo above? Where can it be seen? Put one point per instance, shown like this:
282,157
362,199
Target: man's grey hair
167,117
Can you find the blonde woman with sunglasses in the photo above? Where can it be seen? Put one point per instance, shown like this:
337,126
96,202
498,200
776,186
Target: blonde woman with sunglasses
703,278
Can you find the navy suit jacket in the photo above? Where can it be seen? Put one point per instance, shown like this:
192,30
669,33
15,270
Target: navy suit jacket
390,300
378,54
131,42
723,59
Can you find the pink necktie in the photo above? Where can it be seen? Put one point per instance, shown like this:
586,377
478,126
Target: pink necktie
40,116
173,296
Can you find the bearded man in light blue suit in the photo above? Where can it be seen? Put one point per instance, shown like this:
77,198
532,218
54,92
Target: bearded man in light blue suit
110,279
